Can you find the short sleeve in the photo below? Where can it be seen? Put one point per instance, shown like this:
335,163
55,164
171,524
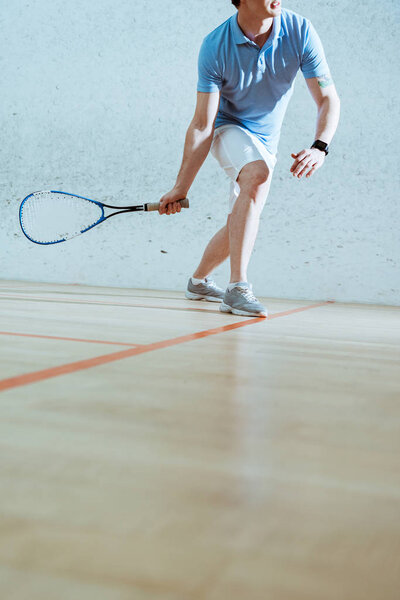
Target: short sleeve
209,77
313,61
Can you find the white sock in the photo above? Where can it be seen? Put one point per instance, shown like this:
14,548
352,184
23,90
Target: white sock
197,281
232,285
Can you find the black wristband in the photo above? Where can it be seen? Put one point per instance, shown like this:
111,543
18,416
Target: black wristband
321,146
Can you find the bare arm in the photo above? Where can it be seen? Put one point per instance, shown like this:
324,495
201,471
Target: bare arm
197,145
323,90
324,93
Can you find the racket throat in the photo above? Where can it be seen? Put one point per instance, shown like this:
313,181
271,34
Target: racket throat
127,209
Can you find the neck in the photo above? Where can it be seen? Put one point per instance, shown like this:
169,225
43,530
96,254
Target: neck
256,28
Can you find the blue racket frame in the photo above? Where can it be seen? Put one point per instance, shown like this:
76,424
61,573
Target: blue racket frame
102,218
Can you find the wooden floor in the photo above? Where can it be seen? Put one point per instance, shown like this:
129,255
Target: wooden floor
153,448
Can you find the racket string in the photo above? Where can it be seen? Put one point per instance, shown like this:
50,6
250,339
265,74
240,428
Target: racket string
51,217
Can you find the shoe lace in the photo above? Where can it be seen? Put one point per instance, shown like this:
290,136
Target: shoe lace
211,283
247,293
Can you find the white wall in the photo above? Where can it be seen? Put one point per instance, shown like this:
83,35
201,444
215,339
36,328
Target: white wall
96,98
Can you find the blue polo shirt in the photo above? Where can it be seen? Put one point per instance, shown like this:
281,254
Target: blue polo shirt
256,83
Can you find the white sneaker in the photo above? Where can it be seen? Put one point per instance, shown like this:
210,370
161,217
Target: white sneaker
240,300
204,291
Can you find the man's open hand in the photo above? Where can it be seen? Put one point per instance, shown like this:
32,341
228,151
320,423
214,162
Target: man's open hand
307,161
169,204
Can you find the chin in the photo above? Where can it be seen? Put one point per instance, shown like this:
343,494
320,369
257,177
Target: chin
273,13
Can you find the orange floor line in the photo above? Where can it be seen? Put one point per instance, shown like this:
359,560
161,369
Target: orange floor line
35,376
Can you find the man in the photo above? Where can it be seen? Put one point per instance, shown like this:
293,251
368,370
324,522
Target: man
246,72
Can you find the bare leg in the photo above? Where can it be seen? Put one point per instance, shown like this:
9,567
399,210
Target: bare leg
254,181
215,253
237,237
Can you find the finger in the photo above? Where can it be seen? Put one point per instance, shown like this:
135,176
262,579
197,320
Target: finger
312,171
300,155
178,207
294,166
301,164
293,155
306,168
303,155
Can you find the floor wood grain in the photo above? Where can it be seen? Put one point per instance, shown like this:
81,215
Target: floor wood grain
253,464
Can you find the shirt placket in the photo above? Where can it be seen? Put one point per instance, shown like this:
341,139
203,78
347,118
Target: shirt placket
261,56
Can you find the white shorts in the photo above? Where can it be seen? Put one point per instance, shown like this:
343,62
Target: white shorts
233,147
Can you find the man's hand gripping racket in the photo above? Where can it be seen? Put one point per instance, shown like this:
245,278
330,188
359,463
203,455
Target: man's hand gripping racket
171,202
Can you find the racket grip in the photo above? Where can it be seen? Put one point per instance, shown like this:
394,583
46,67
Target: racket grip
156,205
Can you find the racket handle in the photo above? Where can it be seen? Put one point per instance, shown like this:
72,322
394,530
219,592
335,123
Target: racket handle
156,205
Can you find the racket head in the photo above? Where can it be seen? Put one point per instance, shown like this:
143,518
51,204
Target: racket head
51,217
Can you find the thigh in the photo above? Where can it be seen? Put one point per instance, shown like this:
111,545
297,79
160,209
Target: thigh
234,147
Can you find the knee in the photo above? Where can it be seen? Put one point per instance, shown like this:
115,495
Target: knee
254,181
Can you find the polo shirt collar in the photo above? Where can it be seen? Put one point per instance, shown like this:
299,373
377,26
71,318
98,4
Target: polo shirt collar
241,38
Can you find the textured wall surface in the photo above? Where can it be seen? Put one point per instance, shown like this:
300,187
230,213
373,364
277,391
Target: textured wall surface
96,98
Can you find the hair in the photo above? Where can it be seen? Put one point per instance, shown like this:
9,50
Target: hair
236,3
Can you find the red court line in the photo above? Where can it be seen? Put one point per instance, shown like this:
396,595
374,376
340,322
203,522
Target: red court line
35,376
67,339
292,311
